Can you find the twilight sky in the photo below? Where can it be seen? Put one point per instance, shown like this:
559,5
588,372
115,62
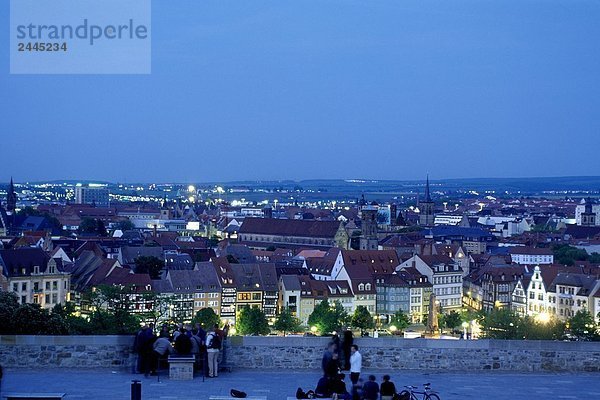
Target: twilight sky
380,89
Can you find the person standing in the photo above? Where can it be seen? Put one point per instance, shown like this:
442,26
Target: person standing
355,364
213,345
388,389
327,356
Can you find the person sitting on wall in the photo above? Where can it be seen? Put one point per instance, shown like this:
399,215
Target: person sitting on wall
338,386
322,390
371,389
161,348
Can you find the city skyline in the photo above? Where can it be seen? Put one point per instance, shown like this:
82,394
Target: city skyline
274,91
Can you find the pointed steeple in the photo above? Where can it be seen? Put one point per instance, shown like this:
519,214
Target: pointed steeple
11,197
427,195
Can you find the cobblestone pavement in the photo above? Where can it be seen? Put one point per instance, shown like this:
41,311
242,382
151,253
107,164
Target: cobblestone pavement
107,384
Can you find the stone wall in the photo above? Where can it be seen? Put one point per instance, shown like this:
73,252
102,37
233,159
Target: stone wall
66,351
421,354
305,353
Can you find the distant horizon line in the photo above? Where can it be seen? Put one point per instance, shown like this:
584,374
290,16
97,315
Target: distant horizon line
347,180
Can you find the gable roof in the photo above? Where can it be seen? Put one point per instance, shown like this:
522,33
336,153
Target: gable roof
377,261
290,227
15,260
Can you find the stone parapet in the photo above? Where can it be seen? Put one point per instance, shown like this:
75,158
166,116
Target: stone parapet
299,353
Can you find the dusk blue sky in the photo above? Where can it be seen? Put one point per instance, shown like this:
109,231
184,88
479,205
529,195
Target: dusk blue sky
323,89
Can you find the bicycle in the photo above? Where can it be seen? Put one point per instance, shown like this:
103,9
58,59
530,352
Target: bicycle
411,393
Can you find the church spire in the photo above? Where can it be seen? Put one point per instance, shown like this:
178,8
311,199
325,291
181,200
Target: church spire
427,195
11,197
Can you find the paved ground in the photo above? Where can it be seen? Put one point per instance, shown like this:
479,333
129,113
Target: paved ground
106,384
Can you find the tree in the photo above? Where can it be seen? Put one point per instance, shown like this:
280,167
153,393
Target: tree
328,317
452,320
362,319
149,265
118,322
160,305
582,324
500,323
8,306
206,317
531,328
125,225
286,322
400,320
567,255
252,321
92,226
28,211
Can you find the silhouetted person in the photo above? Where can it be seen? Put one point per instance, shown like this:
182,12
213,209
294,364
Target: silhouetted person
371,389
388,389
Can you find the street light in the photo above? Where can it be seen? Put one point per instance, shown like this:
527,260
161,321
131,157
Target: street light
543,317
465,325
313,329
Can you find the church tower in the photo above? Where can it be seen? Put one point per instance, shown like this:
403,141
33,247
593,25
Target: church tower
426,216
11,198
588,217
368,236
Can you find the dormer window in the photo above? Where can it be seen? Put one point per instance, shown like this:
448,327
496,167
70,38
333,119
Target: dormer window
368,286
36,269
361,287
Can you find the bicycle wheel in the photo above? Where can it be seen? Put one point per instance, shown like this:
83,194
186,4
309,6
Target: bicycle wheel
405,395
431,396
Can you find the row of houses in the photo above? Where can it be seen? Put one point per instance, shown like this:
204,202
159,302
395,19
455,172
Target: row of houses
380,280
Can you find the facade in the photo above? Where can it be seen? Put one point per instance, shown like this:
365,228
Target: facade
46,285
420,293
98,196
531,255
572,293
445,276
226,279
256,287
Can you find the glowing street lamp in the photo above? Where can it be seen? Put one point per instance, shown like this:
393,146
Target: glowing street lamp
543,317
313,329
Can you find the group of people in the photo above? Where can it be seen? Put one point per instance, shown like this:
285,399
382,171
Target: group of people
332,383
183,341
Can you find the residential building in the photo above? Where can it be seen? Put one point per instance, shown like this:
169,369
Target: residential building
34,277
531,255
420,293
445,276
572,293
